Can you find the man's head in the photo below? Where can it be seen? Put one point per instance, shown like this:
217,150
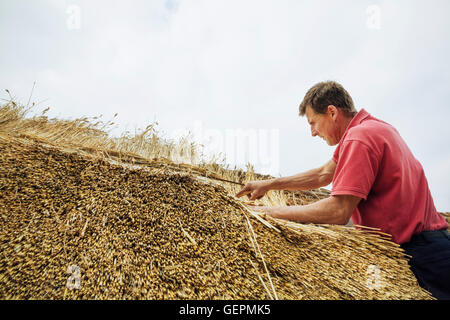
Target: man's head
329,109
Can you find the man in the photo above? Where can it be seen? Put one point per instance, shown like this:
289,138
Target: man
375,180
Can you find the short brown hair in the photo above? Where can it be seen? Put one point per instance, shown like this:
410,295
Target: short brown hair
323,94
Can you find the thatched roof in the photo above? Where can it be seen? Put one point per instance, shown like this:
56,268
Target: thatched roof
75,206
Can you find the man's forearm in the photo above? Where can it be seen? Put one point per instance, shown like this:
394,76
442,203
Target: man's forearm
324,211
308,180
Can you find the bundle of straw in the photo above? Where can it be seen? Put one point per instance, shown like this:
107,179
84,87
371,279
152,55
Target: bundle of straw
85,216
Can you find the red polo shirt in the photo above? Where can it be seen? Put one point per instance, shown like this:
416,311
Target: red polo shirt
375,164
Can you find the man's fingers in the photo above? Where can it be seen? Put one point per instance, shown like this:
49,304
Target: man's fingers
243,192
255,196
252,190
258,209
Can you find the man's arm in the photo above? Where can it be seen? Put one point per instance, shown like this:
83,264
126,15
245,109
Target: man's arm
308,180
331,210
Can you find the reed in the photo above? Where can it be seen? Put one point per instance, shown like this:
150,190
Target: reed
142,217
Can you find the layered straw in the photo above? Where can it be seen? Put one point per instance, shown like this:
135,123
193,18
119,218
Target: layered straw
210,244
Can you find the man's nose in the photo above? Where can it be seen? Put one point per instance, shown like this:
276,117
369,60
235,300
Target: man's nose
313,132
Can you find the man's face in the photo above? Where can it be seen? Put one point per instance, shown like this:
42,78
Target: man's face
323,125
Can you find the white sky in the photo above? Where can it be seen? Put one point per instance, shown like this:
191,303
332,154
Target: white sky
227,65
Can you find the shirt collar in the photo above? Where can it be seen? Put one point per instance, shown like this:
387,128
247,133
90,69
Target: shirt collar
357,119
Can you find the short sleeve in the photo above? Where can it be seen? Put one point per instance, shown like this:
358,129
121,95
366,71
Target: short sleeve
356,169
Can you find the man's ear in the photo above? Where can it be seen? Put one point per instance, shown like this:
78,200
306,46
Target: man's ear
333,111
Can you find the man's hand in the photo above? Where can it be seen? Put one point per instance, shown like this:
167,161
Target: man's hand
264,209
254,189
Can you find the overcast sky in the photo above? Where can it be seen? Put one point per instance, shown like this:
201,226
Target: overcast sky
226,68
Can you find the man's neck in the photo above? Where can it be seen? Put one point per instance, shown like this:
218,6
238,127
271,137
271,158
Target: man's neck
345,123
